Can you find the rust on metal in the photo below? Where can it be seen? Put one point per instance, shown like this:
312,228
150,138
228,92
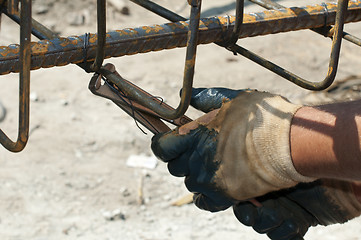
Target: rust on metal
236,49
148,118
188,75
232,39
62,51
334,57
24,82
101,39
335,33
13,6
326,31
89,50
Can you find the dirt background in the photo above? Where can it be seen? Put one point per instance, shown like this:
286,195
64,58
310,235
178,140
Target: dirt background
72,178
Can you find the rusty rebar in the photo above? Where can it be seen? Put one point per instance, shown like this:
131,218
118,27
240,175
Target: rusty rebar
24,82
38,30
237,24
101,40
236,49
326,31
337,36
148,102
62,51
13,6
334,57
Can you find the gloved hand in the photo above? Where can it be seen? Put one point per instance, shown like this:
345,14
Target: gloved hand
169,147
287,214
234,153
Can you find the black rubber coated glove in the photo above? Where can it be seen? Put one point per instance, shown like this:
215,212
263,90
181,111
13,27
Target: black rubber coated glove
184,152
288,214
234,153
208,99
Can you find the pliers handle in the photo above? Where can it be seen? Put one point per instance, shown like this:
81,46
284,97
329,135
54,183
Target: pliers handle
148,118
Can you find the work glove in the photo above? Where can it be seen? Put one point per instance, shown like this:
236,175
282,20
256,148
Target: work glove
288,214
236,152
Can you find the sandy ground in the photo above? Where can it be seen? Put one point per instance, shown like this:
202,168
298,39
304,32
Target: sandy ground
73,173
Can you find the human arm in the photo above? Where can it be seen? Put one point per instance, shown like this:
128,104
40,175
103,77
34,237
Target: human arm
281,214
325,141
317,134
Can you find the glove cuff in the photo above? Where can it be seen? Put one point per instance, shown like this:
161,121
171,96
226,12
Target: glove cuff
270,138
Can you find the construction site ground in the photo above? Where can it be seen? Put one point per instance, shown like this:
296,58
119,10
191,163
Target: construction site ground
72,181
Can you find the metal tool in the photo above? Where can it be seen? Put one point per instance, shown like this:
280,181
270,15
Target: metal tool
101,86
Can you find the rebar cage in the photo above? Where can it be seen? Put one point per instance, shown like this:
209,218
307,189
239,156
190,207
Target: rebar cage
89,50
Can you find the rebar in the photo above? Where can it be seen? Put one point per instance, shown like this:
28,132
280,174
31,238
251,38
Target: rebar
148,102
237,24
334,57
62,51
326,31
101,41
230,43
24,82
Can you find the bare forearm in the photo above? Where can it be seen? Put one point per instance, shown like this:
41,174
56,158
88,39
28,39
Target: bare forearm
325,142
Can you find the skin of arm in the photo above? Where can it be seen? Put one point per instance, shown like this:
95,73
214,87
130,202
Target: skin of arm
325,142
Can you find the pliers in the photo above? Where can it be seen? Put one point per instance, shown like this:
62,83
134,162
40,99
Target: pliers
103,87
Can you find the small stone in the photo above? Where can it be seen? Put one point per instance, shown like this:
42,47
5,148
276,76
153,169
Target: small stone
142,161
2,112
114,215
107,215
231,59
75,19
34,97
90,143
64,102
125,11
125,192
146,200
78,154
177,214
120,6
74,117
67,230
166,197
42,9
146,174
